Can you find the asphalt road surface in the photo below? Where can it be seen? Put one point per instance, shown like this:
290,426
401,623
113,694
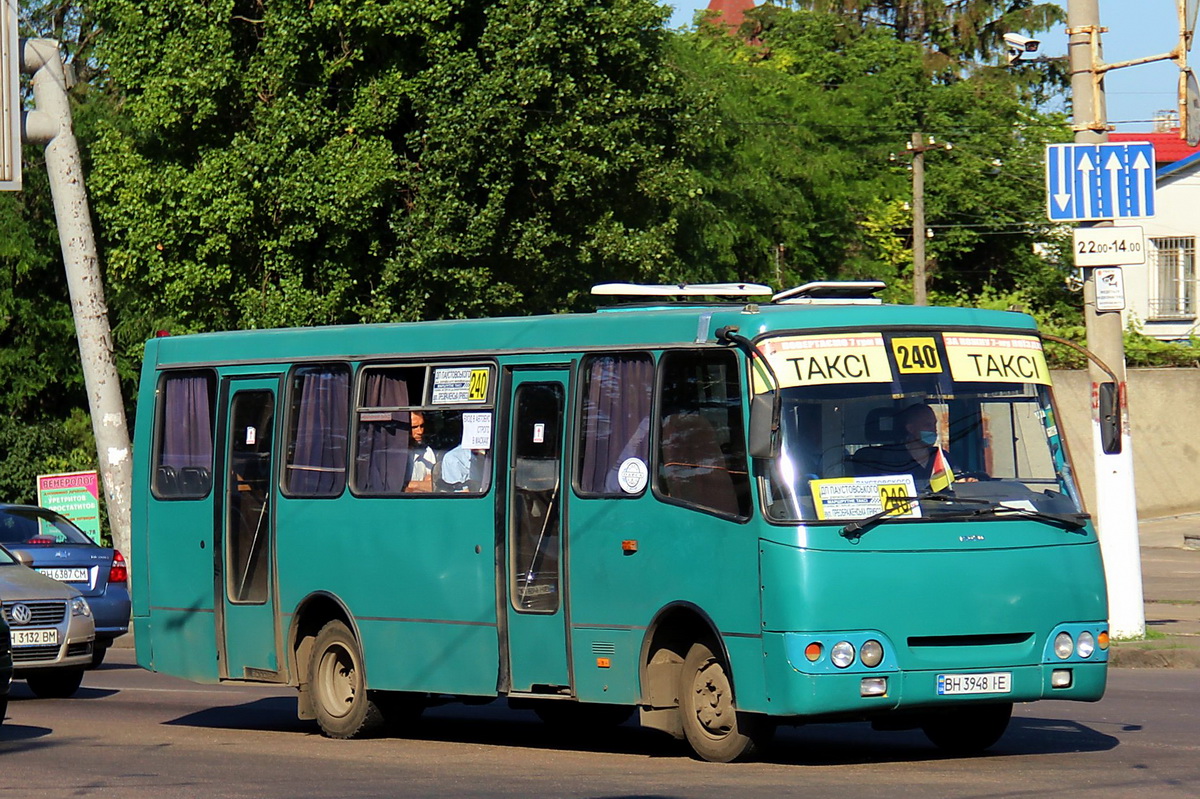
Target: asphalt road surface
133,734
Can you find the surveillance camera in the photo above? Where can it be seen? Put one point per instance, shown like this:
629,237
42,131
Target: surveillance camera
1022,43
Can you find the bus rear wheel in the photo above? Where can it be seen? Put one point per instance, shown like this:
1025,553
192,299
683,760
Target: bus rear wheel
344,709
968,730
714,728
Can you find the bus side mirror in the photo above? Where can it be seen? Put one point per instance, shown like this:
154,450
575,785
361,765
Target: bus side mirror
1110,418
764,443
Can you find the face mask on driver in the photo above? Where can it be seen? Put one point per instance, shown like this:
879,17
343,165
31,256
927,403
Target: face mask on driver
929,437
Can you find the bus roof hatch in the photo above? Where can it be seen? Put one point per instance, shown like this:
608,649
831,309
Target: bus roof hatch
683,289
847,292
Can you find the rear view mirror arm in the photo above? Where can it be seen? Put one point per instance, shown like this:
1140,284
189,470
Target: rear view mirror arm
730,335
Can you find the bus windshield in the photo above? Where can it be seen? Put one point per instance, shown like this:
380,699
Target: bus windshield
862,421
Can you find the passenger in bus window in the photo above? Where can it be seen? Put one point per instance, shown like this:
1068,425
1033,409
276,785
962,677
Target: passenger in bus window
462,470
421,458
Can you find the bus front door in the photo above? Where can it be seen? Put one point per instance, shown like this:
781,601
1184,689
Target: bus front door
244,559
536,606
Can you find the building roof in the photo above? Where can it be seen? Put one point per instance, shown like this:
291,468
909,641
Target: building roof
730,12
1177,167
1168,147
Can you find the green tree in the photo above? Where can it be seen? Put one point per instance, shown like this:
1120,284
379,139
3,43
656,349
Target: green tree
952,31
296,163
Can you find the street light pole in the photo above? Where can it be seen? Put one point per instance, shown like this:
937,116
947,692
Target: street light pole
918,211
1116,507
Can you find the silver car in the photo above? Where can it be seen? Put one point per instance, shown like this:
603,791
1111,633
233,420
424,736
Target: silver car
51,627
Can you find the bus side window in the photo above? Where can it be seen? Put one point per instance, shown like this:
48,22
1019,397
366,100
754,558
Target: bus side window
701,444
615,422
318,421
183,454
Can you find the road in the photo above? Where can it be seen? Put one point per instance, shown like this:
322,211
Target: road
133,734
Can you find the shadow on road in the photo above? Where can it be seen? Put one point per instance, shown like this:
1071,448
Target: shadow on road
20,733
817,744
20,692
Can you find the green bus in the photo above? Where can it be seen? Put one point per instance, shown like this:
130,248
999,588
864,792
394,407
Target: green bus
722,512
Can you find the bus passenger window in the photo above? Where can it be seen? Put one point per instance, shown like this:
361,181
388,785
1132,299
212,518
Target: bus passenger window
702,446
184,451
383,431
411,444
317,431
615,424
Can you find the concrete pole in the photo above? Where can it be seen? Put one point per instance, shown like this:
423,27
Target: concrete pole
51,124
1116,505
918,211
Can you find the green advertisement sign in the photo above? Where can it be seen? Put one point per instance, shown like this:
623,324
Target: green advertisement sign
75,495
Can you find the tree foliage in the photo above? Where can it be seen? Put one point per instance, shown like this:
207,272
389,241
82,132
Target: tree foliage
380,160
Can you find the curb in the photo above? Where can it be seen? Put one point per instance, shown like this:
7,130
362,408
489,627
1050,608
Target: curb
1141,655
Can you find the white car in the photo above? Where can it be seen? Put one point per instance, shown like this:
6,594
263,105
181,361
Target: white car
51,627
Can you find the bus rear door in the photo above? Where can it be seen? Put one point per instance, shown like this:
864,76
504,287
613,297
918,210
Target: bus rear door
244,568
533,537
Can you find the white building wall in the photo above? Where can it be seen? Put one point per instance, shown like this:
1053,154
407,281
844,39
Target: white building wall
1177,215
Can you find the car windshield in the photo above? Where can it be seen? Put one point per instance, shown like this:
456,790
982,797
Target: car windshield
873,416
38,526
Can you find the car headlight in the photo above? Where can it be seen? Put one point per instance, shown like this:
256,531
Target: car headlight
80,607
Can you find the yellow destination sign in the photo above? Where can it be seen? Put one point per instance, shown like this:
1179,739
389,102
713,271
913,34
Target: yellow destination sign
822,360
996,358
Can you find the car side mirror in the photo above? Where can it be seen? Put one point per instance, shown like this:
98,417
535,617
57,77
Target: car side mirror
23,557
764,443
1110,418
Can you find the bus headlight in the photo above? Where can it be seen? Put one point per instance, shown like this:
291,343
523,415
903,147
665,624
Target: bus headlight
1063,645
1086,645
842,654
871,653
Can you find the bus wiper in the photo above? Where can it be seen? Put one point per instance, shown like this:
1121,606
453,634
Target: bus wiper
1070,522
855,529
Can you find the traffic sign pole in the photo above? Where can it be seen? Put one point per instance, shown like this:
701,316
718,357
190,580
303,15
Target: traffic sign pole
1116,506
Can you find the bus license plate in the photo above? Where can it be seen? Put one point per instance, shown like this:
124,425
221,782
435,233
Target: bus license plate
66,575
996,682
36,637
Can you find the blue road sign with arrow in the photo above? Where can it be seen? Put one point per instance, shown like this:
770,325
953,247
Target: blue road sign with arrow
1089,182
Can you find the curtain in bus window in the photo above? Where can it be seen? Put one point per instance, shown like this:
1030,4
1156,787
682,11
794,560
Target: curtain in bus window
185,461
383,436
318,456
616,420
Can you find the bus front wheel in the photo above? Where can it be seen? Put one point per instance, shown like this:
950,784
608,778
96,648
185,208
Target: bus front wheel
339,690
968,730
714,728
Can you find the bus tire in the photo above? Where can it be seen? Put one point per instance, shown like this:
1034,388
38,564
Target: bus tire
341,702
968,730
714,728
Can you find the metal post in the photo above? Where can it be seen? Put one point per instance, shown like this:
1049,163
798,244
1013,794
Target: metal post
918,226
51,124
1116,506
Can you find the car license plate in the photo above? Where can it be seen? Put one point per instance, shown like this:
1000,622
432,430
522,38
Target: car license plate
67,575
35,637
996,682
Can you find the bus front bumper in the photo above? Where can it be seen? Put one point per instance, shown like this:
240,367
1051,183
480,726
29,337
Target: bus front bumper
861,691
